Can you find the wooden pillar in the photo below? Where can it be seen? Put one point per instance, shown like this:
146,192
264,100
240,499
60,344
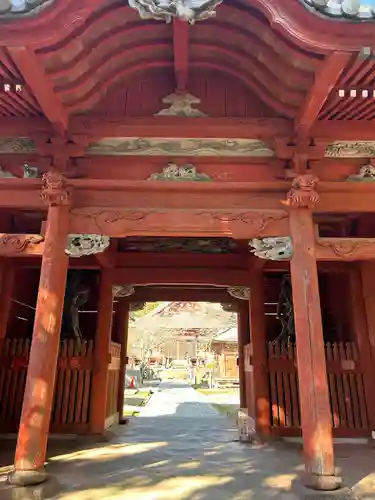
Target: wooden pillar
258,338
6,291
122,337
98,408
38,397
363,295
243,339
312,373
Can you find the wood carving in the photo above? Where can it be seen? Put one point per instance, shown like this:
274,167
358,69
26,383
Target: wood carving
13,244
55,190
186,10
121,223
14,7
173,172
272,248
357,9
366,174
345,249
181,104
303,194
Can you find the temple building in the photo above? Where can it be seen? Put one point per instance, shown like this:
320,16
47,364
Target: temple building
188,150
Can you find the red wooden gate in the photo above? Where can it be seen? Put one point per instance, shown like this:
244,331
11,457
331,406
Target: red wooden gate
70,412
112,384
346,389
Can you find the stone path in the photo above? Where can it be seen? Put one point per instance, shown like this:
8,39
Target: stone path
190,457
178,400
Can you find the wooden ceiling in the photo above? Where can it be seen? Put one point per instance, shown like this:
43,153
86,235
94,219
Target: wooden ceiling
98,45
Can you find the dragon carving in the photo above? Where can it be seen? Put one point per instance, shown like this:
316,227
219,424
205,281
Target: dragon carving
186,10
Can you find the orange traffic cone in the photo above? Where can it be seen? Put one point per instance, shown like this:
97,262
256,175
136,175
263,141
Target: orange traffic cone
132,383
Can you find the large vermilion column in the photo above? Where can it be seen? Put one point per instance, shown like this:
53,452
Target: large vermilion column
316,415
98,407
122,337
260,398
36,410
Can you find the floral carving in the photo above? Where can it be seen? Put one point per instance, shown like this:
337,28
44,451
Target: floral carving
18,243
239,292
173,172
302,193
121,291
366,174
55,189
347,249
357,9
86,244
272,248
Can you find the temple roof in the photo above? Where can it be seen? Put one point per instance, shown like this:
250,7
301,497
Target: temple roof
343,9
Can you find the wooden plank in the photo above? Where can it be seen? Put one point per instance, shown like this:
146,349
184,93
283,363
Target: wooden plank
80,388
87,386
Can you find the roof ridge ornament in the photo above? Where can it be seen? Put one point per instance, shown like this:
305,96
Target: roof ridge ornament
165,10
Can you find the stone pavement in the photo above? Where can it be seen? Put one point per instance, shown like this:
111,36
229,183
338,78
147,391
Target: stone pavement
169,457
178,399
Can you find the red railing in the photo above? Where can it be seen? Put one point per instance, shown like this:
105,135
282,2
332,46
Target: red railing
346,389
70,412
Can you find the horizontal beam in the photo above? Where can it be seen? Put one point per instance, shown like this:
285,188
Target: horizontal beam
21,245
345,249
148,294
179,276
183,260
180,127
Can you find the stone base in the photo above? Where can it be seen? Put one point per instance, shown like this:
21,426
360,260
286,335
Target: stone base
322,483
304,493
42,491
123,421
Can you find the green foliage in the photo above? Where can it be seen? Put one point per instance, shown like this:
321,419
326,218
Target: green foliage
149,307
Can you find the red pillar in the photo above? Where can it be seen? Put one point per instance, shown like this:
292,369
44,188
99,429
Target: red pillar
258,337
122,337
37,404
6,291
363,296
312,373
98,410
243,339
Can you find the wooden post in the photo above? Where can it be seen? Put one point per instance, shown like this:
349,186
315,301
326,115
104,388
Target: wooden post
258,338
6,291
37,404
243,339
312,373
122,337
363,294
98,406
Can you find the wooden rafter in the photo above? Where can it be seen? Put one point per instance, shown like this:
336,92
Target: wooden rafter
181,53
41,86
325,80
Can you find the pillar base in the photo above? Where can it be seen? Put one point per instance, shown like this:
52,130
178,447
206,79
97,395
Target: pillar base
301,492
27,477
30,485
123,421
322,483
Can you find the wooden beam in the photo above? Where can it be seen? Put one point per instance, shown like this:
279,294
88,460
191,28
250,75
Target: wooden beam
152,294
42,87
180,127
343,130
21,245
325,80
345,249
181,53
178,276
183,260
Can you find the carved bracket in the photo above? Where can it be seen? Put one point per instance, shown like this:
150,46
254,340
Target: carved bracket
55,190
366,174
181,104
173,172
239,292
186,10
80,245
121,291
272,248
